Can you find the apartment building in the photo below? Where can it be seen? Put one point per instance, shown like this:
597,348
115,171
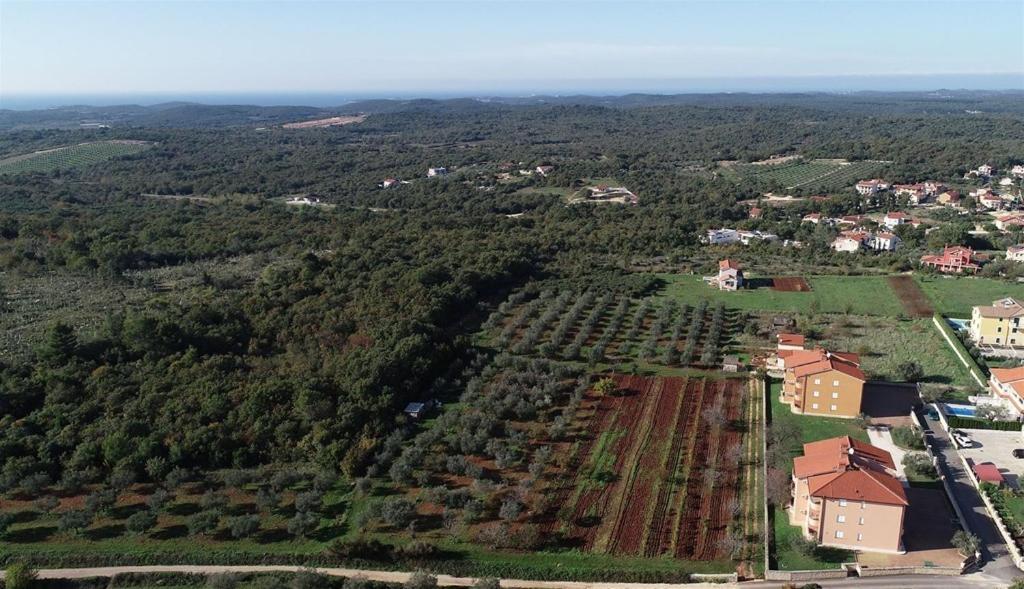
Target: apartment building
845,495
998,324
820,382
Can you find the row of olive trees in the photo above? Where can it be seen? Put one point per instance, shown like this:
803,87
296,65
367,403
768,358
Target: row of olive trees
711,344
589,324
693,337
635,326
506,307
531,336
597,353
528,311
661,321
561,331
672,352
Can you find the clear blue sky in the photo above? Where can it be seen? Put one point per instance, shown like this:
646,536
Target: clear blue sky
174,47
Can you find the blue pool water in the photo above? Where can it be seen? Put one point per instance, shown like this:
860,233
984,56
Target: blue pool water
961,410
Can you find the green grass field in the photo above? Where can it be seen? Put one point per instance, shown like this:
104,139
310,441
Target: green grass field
72,156
862,295
811,174
954,296
904,340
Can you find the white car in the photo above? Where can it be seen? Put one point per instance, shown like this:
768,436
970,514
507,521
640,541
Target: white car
961,439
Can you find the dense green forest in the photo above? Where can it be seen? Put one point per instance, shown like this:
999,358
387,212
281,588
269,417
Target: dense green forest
312,361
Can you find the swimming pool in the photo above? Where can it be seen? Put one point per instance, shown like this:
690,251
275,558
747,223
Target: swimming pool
961,410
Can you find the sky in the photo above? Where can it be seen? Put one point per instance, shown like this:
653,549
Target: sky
182,47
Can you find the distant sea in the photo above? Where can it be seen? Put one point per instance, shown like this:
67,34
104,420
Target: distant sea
522,88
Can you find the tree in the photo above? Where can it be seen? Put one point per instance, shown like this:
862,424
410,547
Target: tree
75,521
303,524
140,522
202,523
6,519
60,344
487,583
243,526
510,509
919,463
19,576
910,371
308,501
421,580
47,504
965,542
158,500
397,513
605,386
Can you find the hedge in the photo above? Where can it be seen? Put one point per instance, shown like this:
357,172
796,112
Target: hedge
977,423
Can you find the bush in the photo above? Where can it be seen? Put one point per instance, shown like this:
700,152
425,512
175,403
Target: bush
19,576
308,501
203,522
907,437
6,519
140,522
487,583
418,549
303,524
910,371
360,548
75,521
802,545
223,581
965,542
158,500
397,513
243,526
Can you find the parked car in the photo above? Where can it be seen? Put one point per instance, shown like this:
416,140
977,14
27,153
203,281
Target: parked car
961,439
1018,453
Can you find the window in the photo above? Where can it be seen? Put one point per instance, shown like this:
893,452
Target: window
817,393
861,522
841,519
832,408
835,395
862,504
842,503
814,405
840,534
817,381
860,537
835,383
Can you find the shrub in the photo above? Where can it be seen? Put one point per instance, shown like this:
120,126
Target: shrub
243,526
223,581
203,522
47,504
361,548
397,513
910,371
310,579
140,522
75,521
920,464
19,576
6,519
906,437
303,524
158,500
487,583
965,542
510,509
101,501
418,549
802,545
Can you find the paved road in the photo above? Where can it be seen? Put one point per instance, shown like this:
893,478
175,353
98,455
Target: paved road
907,581
996,561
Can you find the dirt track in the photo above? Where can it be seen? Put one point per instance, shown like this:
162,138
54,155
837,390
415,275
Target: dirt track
790,284
913,299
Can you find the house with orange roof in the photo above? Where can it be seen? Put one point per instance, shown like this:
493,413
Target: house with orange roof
729,277
956,259
846,495
819,382
1008,383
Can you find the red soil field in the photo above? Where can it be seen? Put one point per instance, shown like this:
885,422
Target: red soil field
670,483
790,284
914,301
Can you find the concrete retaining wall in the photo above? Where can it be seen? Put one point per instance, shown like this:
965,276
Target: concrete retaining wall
805,575
886,571
715,578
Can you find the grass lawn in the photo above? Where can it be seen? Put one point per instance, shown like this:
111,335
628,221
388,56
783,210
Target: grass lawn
862,295
954,296
884,344
812,428
788,559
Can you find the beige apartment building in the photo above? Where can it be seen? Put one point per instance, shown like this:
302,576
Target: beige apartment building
845,495
820,382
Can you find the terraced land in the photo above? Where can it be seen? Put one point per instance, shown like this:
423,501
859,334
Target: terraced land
72,156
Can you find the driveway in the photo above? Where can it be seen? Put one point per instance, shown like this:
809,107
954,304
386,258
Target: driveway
881,437
996,561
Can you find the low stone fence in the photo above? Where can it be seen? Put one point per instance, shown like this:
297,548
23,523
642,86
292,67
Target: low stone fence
770,575
715,578
863,571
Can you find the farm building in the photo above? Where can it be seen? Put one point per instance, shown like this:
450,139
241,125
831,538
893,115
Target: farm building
845,495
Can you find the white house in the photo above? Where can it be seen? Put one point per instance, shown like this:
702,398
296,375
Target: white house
884,241
730,276
812,218
873,186
1017,171
1015,253
1005,222
722,236
390,182
441,171
748,236
848,242
894,219
545,170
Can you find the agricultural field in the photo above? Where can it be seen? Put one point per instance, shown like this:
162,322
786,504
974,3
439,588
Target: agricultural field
885,344
862,295
809,174
954,296
612,329
72,156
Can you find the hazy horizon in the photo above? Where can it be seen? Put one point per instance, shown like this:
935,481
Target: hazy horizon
383,49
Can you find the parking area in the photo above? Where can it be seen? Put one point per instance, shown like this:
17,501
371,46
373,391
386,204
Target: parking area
929,526
997,447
